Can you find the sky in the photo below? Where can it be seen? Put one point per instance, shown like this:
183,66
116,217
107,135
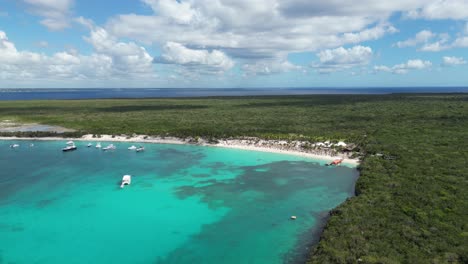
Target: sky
233,43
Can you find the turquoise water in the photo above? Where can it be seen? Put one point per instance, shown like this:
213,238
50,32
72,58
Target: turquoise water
186,204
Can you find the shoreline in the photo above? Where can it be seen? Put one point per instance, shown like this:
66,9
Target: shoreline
270,146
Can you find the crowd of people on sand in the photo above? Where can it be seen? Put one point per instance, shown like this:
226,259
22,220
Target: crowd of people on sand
319,148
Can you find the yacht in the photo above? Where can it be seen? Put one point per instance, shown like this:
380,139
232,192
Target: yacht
110,147
132,147
70,146
126,180
140,149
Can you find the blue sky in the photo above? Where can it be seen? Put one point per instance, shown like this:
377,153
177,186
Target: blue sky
224,43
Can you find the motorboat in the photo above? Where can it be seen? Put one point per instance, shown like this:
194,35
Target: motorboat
89,145
98,145
335,162
70,146
14,146
132,147
140,149
109,147
126,180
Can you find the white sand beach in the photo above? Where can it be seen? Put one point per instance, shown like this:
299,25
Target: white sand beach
272,146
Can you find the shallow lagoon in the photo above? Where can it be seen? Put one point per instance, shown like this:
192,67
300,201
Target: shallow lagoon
186,204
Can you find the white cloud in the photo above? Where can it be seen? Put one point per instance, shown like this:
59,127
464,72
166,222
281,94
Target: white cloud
428,40
452,61
260,29
421,37
55,13
268,67
346,8
461,42
127,58
203,60
404,68
209,36
125,61
340,58
179,12
441,9
265,30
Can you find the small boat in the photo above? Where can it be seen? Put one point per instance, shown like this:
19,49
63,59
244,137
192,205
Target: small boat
98,145
89,145
335,162
132,147
110,147
70,146
31,145
126,180
140,149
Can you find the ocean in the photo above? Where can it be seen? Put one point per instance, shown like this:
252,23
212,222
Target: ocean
86,93
186,204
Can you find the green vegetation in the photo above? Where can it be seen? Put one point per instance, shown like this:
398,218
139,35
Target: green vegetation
412,201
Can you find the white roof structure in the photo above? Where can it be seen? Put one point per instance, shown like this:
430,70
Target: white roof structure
341,144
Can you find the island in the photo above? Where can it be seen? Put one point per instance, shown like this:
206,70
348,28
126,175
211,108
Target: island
411,198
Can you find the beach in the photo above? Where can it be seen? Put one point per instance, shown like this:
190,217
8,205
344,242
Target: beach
253,144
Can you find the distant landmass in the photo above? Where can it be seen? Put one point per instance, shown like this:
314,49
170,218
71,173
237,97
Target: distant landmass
96,93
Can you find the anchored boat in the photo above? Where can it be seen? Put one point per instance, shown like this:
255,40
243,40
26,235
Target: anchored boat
110,147
140,149
126,180
70,146
335,162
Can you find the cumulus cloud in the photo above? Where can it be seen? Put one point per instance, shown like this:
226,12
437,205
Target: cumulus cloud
55,13
461,42
252,29
268,67
340,58
421,37
427,40
127,58
296,8
206,36
200,60
452,61
125,61
404,68
265,30
441,9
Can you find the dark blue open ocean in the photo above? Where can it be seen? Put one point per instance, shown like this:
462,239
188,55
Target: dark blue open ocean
94,93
